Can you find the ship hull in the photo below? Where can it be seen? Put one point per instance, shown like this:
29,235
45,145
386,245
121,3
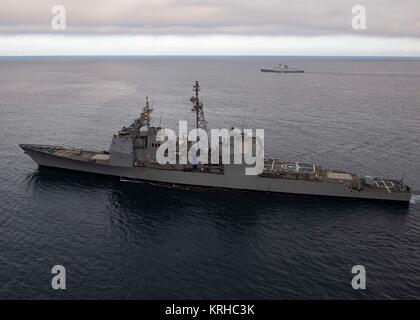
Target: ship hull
229,181
282,71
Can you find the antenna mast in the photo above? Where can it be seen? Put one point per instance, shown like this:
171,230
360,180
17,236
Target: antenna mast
160,120
144,120
145,116
198,108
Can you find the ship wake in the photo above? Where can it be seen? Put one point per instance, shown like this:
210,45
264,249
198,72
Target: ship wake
415,199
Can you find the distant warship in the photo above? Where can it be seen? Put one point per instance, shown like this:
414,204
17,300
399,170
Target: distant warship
132,157
283,68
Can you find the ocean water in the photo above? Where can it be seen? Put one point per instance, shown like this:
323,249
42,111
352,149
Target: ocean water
138,241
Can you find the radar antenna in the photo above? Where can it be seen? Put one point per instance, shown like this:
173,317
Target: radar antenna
143,121
145,116
198,108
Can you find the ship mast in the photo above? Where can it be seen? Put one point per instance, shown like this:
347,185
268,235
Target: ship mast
143,121
145,116
201,122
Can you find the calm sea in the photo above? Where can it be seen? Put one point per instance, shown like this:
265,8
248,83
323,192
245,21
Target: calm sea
121,240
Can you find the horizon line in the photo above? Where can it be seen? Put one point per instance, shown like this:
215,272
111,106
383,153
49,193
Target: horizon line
212,55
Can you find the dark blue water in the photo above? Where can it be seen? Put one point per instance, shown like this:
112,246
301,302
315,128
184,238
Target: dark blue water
121,240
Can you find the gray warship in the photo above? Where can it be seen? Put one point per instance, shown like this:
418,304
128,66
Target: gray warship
283,68
132,158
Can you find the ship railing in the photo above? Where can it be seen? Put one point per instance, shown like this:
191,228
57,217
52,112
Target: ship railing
213,169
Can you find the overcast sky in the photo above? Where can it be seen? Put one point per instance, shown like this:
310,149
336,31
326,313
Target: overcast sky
307,27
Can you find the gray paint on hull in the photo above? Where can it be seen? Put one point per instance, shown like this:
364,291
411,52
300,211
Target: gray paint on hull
252,183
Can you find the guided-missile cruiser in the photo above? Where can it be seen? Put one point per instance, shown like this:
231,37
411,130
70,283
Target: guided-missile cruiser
132,158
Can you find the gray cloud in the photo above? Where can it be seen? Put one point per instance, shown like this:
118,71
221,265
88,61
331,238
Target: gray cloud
189,17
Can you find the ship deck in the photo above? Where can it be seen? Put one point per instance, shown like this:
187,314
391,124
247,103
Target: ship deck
274,168
77,154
